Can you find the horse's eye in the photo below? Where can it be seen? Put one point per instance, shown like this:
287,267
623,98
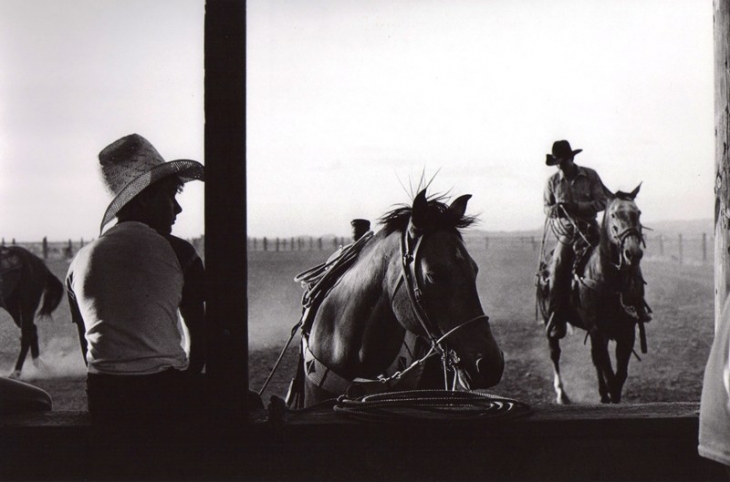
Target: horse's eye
436,276
613,215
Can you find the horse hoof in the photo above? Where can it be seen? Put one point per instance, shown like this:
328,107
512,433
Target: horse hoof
563,399
15,375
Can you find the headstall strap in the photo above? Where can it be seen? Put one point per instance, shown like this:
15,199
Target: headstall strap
410,258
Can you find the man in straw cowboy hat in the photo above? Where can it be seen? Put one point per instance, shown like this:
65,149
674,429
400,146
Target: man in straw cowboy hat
573,197
126,287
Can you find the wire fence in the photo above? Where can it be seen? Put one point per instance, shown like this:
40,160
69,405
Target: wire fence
679,248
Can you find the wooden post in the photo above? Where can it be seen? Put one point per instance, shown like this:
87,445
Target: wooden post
721,20
45,247
226,257
704,247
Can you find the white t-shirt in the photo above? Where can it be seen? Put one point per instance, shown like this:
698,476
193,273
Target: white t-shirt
128,285
715,403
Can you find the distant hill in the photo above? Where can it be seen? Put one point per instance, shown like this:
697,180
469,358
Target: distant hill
691,227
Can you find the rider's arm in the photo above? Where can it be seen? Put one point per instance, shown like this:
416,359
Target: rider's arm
79,322
549,201
192,309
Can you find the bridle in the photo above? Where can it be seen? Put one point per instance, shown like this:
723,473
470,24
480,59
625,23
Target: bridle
620,241
410,250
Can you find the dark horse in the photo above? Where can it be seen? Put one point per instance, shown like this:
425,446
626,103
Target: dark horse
605,292
24,280
403,314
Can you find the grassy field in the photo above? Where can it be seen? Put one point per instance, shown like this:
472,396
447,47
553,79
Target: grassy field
679,338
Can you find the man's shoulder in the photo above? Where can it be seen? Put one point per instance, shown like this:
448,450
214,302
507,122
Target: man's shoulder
183,249
592,173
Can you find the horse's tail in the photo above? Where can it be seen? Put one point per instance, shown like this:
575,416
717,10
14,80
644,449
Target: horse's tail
52,294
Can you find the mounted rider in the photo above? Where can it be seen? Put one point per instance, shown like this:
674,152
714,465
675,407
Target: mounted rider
572,199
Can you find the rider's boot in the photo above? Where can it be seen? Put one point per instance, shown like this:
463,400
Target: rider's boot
643,312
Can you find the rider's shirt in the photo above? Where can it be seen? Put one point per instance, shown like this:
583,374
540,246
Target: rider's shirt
127,286
586,189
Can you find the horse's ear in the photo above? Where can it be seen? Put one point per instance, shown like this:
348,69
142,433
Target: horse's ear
636,191
609,194
419,212
458,207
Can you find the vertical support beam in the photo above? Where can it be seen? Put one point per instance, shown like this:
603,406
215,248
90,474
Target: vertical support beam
721,20
225,206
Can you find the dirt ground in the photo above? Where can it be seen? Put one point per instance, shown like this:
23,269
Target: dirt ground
679,338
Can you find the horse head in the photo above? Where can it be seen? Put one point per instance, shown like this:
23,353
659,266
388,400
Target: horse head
436,295
622,228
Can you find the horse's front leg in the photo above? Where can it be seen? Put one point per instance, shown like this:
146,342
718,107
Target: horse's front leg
560,396
602,362
624,347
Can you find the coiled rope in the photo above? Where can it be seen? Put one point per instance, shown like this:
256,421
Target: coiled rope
431,406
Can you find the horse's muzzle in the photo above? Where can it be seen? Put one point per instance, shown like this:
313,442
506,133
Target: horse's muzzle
633,256
490,369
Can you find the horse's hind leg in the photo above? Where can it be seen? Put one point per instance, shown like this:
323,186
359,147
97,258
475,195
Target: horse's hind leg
28,339
560,396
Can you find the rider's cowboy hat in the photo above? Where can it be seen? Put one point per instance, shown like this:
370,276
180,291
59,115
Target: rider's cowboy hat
561,150
130,164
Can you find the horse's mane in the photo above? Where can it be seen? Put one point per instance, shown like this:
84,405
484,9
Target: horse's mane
439,217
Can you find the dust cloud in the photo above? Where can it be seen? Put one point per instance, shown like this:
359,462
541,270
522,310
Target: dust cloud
58,359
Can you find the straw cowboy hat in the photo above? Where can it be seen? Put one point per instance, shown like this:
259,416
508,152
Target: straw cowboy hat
131,163
561,150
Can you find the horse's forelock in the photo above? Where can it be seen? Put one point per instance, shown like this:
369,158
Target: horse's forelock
439,217
624,196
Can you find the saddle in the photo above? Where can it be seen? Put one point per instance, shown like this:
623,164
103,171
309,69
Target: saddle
319,280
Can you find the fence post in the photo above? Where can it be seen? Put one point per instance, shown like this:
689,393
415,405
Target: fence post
534,244
704,247
277,244
266,244
681,254
45,247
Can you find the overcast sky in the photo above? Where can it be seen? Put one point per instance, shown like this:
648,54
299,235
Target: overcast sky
77,75
350,100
